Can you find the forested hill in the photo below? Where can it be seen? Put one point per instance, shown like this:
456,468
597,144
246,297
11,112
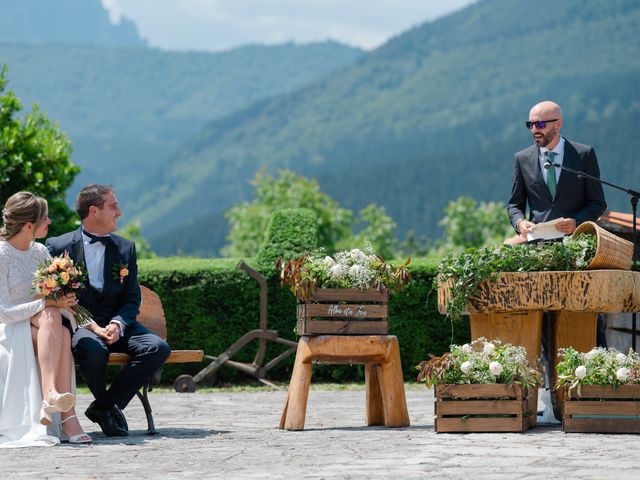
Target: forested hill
435,113
64,21
127,109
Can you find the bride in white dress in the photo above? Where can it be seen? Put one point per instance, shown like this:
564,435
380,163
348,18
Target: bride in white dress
31,326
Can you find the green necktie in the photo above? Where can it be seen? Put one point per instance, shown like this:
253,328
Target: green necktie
551,174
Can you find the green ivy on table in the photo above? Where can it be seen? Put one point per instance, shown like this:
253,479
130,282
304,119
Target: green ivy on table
469,269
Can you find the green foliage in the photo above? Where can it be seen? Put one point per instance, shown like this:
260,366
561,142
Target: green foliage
249,220
378,230
34,156
209,304
468,270
133,231
291,232
469,225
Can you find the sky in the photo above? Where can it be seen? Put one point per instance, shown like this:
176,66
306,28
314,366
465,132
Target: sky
215,25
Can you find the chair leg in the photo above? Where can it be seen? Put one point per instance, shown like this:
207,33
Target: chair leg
374,413
144,399
296,406
392,388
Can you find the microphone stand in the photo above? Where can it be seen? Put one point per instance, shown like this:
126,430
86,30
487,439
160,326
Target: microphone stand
634,208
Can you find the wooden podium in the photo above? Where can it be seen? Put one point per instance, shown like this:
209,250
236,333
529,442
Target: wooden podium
511,309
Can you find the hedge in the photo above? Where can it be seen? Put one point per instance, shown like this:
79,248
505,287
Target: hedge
209,304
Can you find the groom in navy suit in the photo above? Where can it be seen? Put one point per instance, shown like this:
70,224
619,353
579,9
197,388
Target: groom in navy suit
112,295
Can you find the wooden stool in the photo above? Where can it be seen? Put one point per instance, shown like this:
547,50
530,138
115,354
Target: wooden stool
386,402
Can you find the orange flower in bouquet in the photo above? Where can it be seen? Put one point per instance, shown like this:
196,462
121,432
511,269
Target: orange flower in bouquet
59,276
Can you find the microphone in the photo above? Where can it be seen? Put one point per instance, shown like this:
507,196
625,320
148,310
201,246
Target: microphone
547,165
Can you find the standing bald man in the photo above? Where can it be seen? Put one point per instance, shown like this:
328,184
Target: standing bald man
553,193
549,197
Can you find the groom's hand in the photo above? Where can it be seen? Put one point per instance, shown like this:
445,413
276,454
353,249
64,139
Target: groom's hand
113,333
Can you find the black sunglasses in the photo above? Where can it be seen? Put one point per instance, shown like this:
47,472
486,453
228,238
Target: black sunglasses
539,124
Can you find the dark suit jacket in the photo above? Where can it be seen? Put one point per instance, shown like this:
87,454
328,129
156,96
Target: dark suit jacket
118,301
578,198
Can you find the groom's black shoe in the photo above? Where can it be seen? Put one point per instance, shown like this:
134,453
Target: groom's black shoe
120,418
107,419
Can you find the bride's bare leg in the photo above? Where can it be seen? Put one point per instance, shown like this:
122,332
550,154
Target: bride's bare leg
50,343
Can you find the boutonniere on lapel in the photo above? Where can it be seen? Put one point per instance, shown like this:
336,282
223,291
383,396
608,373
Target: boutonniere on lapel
120,271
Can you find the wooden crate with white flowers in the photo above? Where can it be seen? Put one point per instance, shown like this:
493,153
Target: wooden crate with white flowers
484,408
344,311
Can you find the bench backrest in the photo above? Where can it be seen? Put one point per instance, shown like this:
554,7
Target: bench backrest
151,313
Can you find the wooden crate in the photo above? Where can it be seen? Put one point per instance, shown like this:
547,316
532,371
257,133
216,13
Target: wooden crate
485,408
602,409
342,311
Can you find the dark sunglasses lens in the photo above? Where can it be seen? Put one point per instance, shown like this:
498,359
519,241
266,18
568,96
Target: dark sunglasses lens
529,125
541,124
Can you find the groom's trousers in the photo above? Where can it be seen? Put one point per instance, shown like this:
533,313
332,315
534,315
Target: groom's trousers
148,352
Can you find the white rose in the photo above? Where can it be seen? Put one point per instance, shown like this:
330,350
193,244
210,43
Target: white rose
621,357
466,349
622,374
355,270
489,348
465,367
580,372
359,256
496,368
337,271
589,355
328,261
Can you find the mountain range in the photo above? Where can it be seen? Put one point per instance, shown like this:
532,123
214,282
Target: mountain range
435,113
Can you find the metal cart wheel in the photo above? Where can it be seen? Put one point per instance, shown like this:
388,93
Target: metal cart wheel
185,383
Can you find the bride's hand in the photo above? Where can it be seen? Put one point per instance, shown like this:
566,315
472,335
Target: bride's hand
65,301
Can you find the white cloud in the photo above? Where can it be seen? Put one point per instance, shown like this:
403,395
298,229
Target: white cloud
222,24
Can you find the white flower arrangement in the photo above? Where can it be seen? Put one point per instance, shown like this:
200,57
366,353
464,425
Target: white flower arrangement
479,362
599,366
356,268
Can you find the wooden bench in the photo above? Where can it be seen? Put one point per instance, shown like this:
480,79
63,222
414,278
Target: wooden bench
152,316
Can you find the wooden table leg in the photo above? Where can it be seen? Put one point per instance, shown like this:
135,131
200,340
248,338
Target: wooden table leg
374,412
570,329
392,389
295,409
517,328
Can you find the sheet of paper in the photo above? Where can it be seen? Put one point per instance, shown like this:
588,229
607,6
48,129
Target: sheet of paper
545,231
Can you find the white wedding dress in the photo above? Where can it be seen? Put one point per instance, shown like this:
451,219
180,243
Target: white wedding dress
20,388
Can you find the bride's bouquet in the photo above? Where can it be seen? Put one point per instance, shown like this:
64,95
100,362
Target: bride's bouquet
58,276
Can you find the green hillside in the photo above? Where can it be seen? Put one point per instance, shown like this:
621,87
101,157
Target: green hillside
435,113
128,109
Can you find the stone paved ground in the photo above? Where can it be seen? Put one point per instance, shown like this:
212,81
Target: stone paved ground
234,435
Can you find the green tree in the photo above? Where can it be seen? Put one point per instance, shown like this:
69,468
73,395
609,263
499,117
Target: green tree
34,156
377,228
133,231
248,220
467,224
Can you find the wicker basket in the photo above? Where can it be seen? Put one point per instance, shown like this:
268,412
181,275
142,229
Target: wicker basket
612,252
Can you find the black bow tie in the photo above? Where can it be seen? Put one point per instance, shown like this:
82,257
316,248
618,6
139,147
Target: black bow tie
95,238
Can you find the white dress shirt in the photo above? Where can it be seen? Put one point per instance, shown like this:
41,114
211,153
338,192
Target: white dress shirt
94,258
559,158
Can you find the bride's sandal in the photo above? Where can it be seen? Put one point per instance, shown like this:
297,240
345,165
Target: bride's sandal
81,437
62,402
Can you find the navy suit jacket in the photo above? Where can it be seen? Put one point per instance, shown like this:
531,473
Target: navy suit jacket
118,301
578,198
